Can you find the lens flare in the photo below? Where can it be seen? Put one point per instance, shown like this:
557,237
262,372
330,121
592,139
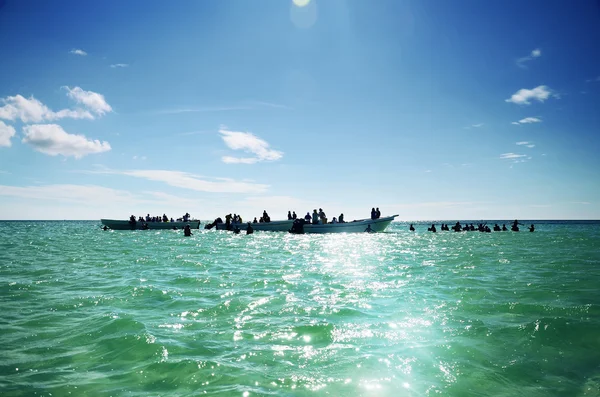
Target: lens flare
301,3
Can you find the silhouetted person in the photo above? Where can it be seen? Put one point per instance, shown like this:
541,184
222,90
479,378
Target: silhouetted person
187,232
411,228
532,228
249,229
369,230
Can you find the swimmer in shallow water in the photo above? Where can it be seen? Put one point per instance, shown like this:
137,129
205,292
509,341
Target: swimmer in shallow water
187,232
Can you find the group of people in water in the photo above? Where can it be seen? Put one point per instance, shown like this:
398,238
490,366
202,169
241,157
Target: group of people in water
481,227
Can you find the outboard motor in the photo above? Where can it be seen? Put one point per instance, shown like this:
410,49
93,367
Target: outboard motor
297,227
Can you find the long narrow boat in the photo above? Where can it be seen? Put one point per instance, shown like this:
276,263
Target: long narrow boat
116,224
273,226
357,226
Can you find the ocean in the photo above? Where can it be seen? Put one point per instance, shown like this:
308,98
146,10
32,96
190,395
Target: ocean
87,312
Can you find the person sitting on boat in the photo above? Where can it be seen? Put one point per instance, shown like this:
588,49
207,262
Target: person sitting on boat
132,220
377,213
411,228
368,229
315,217
373,213
187,232
235,219
322,216
266,216
289,215
504,229
334,220
172,220
496,227
341,218
148,218
532,228
294,216
307,217
249,229
254,221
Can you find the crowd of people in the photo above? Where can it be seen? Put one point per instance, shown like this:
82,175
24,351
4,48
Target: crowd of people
481,227
163,218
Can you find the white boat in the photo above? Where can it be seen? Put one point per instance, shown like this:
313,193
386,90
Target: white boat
117,224
273,226
357,226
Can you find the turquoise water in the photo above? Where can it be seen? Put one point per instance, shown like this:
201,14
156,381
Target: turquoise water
138,313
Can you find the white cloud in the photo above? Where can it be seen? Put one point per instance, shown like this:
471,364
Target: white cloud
119,65
523,96
51,139
186,180
77,51
92,100
528,120
511,156
534,54
6,133
525,143
30,110
477,125
249,143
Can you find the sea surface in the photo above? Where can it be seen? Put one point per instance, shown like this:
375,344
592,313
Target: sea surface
87,312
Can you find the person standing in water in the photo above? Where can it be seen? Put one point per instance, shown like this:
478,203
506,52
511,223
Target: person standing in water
249,229
369,230
532,228
411,228
187,232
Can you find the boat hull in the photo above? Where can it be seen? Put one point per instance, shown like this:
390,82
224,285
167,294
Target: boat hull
116,224
273,226
358,226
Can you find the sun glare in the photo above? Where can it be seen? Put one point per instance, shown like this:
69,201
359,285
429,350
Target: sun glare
301,3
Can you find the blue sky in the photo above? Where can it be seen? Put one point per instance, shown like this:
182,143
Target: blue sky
426,109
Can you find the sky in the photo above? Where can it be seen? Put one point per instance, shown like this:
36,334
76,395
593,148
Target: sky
427,109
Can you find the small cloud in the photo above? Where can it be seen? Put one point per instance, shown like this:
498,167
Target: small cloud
119,65
525,143
51,139
92,100
6,133
594,80
139,157
32,110
249,143
534,54
77,51
512,156
528,120
477,125
523,96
